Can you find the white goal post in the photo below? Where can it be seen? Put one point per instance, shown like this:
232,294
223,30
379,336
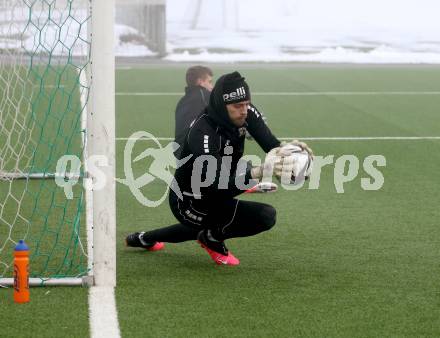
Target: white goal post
57,72
101,136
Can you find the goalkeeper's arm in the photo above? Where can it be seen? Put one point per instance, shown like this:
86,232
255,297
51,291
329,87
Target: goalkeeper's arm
260,131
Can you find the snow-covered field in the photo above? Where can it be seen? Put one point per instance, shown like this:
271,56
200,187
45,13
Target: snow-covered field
359,31
59,31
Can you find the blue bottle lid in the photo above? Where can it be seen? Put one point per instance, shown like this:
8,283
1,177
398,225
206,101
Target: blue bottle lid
21,246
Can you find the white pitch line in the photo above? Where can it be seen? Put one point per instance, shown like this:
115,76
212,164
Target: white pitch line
148,94
361,138
102,312
366,93
144,139
366,138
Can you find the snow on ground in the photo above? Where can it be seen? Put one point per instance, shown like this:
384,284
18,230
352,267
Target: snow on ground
380,55
58,33
128,42
357,31
374,31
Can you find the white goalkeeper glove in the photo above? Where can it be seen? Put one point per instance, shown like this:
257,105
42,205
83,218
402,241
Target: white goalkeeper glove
285,165
297,143
291,165
279,160
267,168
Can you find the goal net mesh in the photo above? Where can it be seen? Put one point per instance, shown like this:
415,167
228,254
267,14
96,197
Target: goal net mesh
44,53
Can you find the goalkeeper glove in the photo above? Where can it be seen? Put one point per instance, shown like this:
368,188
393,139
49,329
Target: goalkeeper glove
291,165
284,166
278,159
267,167
300,144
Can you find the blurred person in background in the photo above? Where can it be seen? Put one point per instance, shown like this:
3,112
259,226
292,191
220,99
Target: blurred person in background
198,89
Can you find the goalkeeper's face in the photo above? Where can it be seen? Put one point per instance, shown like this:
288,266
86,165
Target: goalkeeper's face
238,112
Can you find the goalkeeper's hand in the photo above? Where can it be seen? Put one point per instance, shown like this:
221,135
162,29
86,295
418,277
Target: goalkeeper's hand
276,160
283,167
268,166
300,144
285,164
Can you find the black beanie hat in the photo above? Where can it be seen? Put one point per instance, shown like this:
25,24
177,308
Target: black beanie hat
228,89
235,88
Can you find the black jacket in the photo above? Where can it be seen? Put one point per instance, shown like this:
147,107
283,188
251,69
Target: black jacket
196,99
213,134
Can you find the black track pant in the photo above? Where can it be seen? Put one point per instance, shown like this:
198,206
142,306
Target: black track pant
226,219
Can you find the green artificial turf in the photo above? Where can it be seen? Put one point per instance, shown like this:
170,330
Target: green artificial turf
357,264
52,312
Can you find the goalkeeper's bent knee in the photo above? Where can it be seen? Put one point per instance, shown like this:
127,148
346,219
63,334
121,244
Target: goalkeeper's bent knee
268,216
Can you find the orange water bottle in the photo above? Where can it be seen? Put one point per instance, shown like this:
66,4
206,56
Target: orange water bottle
21,272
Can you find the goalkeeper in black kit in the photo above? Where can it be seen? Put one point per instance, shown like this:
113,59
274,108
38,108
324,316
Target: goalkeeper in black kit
203,193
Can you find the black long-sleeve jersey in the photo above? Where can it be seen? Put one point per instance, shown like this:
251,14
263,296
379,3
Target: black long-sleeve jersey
207,137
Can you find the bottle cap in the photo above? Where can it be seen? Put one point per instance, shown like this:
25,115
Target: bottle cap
21,246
